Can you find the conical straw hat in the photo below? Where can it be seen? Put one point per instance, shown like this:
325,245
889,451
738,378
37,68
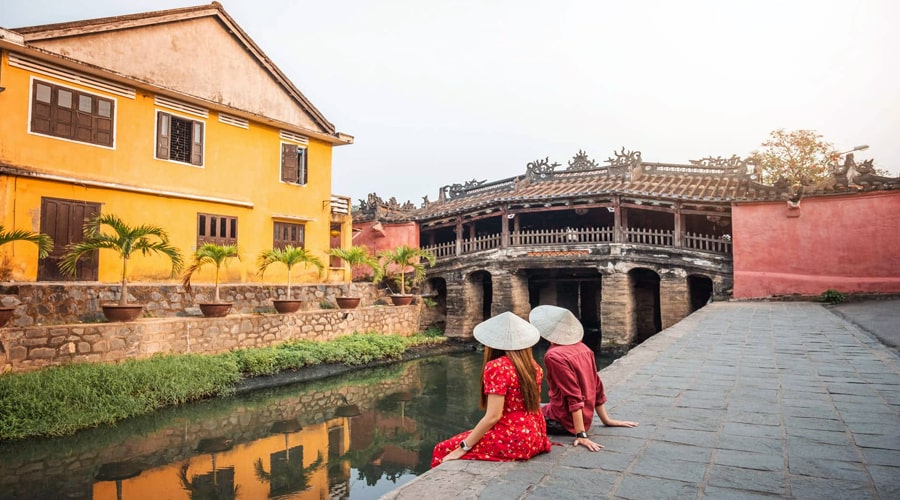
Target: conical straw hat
507,331
557,325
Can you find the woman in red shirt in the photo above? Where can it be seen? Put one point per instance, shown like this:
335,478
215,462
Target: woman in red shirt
513,427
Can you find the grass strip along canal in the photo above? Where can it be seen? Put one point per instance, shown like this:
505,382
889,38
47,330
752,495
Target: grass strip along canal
59,401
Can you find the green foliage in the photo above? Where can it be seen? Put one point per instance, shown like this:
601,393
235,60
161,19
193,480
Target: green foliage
357,255
397,262
351,350
289,256
61,400
433,331
325,304
429,302
832,296
798,157
44,242
215,255
124,240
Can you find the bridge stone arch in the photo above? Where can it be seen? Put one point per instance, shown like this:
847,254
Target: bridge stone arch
596,283
700,290
646,311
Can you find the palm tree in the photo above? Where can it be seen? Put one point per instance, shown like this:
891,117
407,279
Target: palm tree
289,256
210,253
125,240
355,256
43,241
403,258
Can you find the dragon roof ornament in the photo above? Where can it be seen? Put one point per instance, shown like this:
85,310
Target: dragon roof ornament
540,169
581,161
732,165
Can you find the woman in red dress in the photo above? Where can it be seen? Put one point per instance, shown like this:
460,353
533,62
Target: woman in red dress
512,427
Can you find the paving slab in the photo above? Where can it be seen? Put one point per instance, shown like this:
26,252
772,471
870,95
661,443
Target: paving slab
739,400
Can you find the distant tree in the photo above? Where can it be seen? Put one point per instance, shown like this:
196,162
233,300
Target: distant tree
798,157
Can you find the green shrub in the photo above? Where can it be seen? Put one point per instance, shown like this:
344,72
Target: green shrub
832,296
324,304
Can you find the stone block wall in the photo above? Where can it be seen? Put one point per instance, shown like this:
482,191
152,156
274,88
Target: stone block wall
78,302
33,347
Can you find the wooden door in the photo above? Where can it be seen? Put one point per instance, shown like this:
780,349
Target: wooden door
64,221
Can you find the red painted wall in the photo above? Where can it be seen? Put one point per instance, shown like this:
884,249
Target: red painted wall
847,243
378,236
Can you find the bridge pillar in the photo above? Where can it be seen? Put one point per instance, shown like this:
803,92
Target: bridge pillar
674,299
510,293
617,309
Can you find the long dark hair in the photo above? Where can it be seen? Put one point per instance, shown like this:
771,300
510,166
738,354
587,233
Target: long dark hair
524,363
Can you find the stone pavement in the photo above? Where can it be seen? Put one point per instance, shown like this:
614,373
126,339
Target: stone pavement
741,400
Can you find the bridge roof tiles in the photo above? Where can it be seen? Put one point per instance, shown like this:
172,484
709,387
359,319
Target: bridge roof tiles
709,188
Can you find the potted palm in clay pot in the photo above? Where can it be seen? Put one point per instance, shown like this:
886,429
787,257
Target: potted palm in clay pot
217,256
44,244
289,256
397,262
125,240
354,256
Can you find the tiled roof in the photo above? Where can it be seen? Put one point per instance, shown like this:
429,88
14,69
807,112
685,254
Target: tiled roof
704,181
652,180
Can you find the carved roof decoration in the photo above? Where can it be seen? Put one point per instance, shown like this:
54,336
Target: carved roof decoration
540,169
581,161
710,180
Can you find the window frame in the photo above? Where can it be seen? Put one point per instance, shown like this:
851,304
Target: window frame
299,241
52,120
289,152
213,223
162,149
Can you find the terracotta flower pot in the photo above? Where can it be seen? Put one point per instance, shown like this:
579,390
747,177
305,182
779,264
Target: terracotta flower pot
117,313
215,309
286,306
6,314
347,302
401,300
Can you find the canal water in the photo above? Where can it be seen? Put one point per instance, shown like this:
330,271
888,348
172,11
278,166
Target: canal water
357,436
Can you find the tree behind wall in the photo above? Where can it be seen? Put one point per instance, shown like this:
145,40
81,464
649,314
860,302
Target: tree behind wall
798,157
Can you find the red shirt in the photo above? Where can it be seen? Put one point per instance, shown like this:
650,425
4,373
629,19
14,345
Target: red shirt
574,383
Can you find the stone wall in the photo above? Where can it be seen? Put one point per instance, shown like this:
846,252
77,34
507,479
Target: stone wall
77,302
33,347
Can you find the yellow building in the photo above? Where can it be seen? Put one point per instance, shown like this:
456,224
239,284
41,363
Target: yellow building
174,118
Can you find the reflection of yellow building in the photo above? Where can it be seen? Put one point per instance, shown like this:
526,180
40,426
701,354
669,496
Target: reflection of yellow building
239,466
175,118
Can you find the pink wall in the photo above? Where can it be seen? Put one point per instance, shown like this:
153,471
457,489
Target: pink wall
848,243
378,236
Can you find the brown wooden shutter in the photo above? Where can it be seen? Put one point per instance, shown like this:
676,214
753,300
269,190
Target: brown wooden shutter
196,143
84,119
163,135
40,111
301,167
103,124
289,163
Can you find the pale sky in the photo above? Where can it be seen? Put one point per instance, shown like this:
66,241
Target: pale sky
439,92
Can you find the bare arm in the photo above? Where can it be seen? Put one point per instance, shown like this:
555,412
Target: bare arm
492,415
609,422
578,421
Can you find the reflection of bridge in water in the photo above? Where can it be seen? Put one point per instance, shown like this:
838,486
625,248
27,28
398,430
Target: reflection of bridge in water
379,424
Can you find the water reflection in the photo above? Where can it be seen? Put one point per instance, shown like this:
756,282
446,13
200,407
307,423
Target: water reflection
353,436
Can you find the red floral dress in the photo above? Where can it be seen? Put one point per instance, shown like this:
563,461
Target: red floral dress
518,435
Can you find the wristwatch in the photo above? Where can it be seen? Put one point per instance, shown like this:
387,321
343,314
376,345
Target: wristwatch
462,444
581,434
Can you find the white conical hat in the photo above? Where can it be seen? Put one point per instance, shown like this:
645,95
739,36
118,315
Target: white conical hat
557,324
507,331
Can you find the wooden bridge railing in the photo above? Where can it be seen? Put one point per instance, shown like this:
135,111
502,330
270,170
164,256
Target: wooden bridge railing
582,236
